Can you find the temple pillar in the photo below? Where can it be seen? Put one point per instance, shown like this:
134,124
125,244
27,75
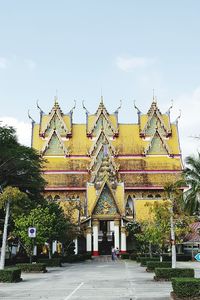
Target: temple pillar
76,245
89,239
95,227
123,240
116,234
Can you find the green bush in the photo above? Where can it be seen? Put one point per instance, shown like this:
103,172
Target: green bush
33,268
133,256
151,265
144,260
76,258
125,256
52,262
183,257
10,275
186,287
168,273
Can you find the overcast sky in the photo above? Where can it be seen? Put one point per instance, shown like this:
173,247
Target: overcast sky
78,49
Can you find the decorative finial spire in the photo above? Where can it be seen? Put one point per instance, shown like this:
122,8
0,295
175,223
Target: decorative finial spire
33,121
101,99
177,119
87,112
139,112
71,111
168,111
120,105
154,99
41,111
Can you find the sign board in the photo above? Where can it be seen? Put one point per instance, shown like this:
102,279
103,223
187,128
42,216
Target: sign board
197,257
32,232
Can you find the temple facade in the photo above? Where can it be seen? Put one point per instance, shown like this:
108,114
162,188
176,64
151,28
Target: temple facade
106,170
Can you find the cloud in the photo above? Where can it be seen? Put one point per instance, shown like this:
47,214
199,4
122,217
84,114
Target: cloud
189,122
23,129
3,63
31,65
130,63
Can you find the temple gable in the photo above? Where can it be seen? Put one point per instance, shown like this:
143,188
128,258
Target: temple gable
105,203
54,145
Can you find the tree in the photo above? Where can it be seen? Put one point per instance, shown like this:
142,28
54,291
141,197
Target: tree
14,198
50,224
192,180
20,166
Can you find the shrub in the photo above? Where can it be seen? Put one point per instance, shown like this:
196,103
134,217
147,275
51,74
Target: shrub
144,260
52,262
186,287
183,257
151,265
76,258
125,256
33,268
168,273
133,256
10,275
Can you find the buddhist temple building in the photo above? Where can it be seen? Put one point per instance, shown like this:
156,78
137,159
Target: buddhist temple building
107,169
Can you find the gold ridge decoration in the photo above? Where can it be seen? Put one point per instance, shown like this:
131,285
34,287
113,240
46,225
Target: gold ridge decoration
102,120
154,112
56,115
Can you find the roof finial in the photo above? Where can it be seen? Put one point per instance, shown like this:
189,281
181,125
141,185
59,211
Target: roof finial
177,119
71,111
33,121
168,111
41,111
139,112
120,105
154,98
87,112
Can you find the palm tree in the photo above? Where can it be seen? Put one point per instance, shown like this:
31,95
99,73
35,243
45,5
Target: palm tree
192,180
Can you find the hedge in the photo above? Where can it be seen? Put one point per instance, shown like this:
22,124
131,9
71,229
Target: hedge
133,256
125,256
76,258
52,262
186,287
144,260
10,275
151,265
33,268
168,273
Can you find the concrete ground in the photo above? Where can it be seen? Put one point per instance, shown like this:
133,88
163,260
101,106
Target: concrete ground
91,280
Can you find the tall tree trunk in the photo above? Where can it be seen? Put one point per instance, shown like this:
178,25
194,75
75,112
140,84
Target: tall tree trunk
5,231
173,246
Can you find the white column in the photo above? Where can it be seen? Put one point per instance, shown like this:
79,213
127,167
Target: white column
54,246
123,239
88,239
76,245
116,236
95,226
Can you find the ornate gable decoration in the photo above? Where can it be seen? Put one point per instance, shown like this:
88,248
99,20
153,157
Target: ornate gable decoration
106,171
157,145
56,122
102,139
155,120
102,120
54,145
105,203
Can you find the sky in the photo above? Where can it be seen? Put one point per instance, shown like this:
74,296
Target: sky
81,49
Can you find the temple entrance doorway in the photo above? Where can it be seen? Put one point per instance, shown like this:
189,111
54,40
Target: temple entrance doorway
105,237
